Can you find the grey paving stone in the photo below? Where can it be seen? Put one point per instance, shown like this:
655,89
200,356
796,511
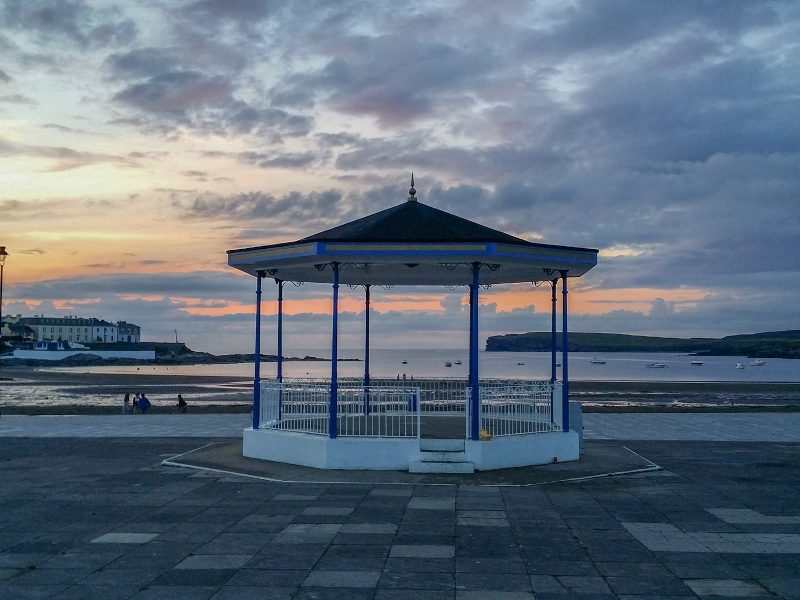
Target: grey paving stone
29,592
343,579
546,583
366,528
417,581
214,561
494,582
490,565
629,586
175,592
236,543
269,578
561,567
125,538
98,592
422,551
726,587
423,503
785,587
401,594
307,534
327,510
323,593
287,556
43,577
110,577
253,593
194,577
494,595
584,585
420,565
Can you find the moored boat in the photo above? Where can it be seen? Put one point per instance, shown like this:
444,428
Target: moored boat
597,361
739,366
656,365
697,363
758,363
448,364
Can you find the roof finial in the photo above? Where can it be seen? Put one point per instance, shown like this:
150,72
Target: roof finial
412,192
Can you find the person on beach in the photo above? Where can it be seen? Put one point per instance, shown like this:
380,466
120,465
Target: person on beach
181,404
135,403
126,404
144,404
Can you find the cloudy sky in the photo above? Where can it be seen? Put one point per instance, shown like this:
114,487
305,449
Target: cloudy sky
141,140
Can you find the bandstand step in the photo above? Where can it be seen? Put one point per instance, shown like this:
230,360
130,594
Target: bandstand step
425,466
441,445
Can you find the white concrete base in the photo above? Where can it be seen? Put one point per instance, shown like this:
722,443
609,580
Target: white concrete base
397,454
523,450
321,452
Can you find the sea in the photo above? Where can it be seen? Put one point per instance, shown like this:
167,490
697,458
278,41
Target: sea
423,363
416,364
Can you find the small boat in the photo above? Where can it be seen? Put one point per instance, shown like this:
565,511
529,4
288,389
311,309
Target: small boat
448,364
558,364
405,362
656,365
458,362
697,363
739,366
597,361
758,363
520,364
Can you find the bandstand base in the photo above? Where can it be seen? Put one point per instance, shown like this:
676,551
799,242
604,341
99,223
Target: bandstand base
395,454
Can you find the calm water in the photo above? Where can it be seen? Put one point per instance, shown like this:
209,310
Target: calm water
431,363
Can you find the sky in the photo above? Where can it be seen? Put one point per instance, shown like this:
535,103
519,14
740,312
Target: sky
141,140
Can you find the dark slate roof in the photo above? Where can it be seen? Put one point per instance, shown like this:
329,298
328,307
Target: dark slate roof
413,222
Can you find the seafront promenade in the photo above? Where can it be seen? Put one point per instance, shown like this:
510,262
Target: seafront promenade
732,427
88,509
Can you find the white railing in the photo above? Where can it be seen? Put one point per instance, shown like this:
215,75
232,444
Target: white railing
515,408
374,411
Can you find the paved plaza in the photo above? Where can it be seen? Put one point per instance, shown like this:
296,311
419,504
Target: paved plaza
97,515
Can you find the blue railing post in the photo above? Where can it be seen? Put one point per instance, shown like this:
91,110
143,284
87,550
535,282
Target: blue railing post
257,359
366,350
475,394
564,356
280,347
553,373
333,421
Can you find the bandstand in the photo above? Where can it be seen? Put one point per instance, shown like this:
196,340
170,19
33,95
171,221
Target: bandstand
382,424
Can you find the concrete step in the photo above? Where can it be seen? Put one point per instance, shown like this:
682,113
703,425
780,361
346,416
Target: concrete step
419,466
441,445
442,456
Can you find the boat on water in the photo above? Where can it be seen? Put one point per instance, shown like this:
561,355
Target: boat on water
520,364
458,362
758,363
739,366
448,364
656,365
597,361
558,364
697,363
405,362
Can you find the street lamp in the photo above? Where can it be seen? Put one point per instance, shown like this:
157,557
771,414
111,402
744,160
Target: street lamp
3,255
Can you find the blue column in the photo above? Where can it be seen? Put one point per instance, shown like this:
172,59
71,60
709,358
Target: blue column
332,423
553,333
280,346
366,349
473,353
280,329
257,358
564,354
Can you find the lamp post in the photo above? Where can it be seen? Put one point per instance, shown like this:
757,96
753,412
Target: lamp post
3,255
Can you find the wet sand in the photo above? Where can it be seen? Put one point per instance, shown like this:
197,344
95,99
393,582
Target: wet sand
77,392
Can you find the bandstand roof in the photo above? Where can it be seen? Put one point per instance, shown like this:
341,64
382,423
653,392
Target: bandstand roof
413,244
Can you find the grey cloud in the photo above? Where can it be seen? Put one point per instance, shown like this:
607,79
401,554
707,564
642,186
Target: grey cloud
65,158
4,77
293,207
176,92
75,21
17,99
278,161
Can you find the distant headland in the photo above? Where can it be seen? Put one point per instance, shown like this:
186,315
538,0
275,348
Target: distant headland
773,344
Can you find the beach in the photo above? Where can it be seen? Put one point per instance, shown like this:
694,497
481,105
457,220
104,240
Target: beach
36,391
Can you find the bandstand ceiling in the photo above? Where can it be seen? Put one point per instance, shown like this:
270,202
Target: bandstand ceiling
413,244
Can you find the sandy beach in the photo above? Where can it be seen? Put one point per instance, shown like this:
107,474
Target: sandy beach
32,391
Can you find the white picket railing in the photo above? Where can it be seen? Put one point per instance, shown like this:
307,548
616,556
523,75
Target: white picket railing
392,408
516,408
374,411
